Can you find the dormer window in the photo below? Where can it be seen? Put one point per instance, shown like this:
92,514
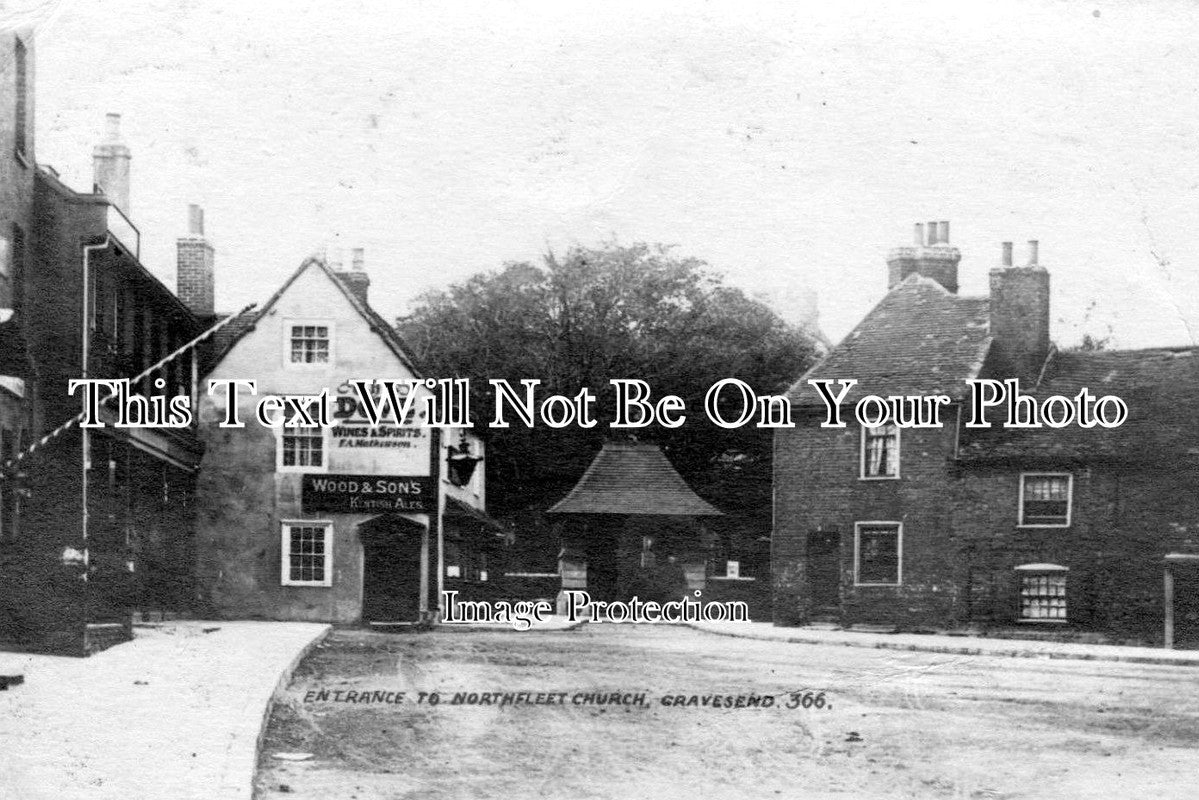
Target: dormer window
880,451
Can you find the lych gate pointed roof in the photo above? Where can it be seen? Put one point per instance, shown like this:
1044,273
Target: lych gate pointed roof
633,478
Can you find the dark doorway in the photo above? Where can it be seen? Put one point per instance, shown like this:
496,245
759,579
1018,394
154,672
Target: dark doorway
391,548
824,572
603,563
1186,607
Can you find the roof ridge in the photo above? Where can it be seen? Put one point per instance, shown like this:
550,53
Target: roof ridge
639,481
377,324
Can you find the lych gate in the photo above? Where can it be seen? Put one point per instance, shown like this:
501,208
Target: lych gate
632,526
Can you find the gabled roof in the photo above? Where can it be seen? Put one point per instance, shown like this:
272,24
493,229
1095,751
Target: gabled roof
632,478
919,339
378,325
1160,387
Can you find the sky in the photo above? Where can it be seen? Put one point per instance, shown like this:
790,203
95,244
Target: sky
790,145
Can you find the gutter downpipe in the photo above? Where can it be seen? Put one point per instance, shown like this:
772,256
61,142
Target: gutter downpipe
84,437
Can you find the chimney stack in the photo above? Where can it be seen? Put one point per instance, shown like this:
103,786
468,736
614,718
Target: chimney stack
1020,315
932,257
195,282
110,165
355,278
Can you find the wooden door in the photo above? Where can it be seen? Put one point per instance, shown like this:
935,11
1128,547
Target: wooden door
824,571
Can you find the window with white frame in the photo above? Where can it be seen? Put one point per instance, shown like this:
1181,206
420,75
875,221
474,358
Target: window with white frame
1042,592
1045,499
880,451
878,553
309,342
307,553
300,448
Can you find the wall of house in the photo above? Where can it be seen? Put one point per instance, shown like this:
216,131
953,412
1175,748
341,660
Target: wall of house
54,296
1124,519
243,499
16,173
818,488
44,603
962,540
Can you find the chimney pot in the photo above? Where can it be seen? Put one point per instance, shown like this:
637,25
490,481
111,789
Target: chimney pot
195,220
1007,254
1033,247
112,127
943,232
939,263
358,259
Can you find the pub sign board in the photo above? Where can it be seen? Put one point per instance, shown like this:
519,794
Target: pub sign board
358,448
368,494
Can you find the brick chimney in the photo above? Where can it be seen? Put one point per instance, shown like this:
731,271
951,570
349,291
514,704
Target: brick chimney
195,282
1020,315
110,165
931,256
355,278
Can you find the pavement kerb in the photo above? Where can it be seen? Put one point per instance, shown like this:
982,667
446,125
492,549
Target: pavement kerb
963,650
458,627
280,685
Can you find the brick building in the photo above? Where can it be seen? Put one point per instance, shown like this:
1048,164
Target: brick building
1046,531
93,523
346,522
17,170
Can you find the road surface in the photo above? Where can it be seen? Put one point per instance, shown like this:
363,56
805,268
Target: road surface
622,711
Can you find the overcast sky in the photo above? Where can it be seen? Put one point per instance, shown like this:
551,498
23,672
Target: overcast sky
789,145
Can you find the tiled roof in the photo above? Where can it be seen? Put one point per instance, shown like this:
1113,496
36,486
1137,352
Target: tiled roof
919,339
226,336
632,478
1160,387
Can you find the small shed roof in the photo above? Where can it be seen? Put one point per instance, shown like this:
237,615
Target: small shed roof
633,478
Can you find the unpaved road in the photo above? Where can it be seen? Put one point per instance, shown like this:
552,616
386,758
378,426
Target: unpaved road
895,724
